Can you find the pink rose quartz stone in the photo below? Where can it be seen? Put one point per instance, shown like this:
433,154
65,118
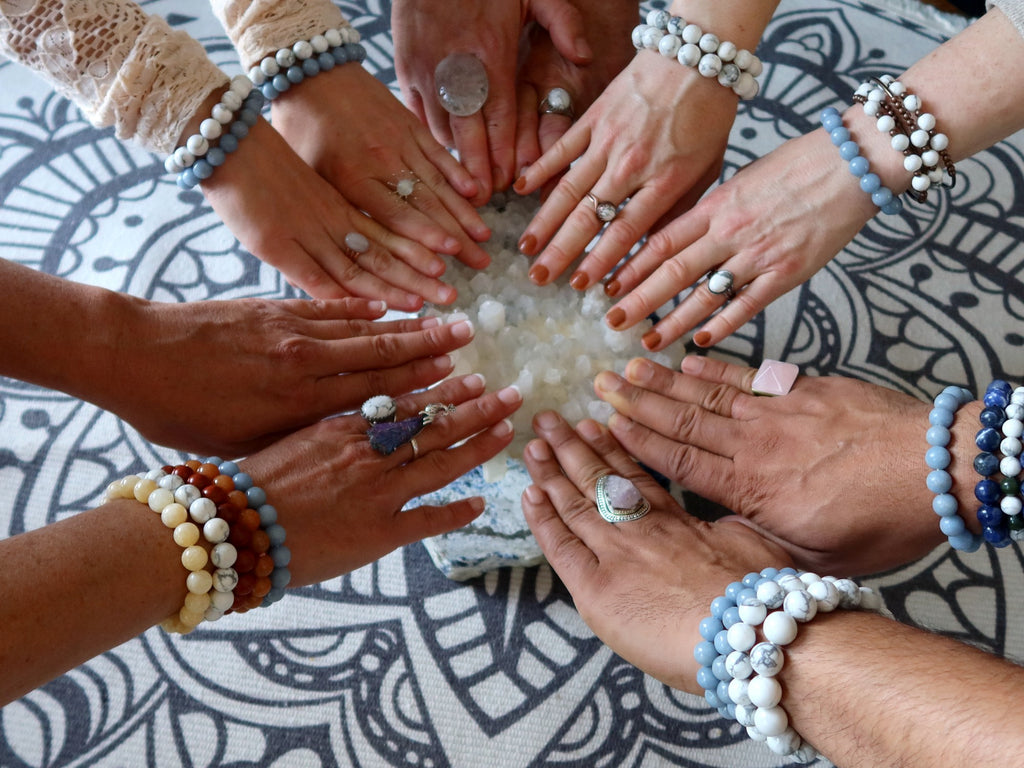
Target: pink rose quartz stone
775,378
621,493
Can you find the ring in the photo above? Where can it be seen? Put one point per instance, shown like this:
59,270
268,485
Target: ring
386,436
605,210
415,448
557,102
357,242
462,85
720,283
774,378
618,500
407,181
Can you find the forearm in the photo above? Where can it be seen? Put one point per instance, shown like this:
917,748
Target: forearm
261,27
739,21
82,586
121,66
867,691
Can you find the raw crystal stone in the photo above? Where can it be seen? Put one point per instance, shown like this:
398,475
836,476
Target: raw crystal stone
461,83
405,187
621,493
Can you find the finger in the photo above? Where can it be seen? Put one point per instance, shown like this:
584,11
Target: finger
384,350
574,509
603,443
567,149
384,272
739,310
459,190
468,419
499,112
345,392
579,463
579,229
528,149
551,129
717,371
573,561
564,24
470,135
419,223
416,524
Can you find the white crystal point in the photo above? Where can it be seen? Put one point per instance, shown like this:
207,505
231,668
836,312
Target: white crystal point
405,187
462,84
378,408
621,493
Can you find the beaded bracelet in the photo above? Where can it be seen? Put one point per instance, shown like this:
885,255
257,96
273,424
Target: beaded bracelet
203,168
210,129
938,458
277,73
735,68
1001,427
738,673
911,132
881,195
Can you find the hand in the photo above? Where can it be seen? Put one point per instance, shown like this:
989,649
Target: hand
284,213
544,68
352,130
491,31
342,503
229,377
642,586
833,471
764,225
657,135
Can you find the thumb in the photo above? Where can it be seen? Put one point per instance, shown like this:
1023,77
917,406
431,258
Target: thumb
564,24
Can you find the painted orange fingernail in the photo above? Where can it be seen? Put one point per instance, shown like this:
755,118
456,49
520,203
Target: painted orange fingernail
701,338
528,244
612,288
652,339
579,281
615,317
539,274
520,184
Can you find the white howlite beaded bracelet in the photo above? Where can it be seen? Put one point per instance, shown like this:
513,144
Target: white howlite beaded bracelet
673,37
739,673
198,144
278,72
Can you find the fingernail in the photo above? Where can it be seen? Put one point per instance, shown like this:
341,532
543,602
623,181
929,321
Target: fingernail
589,428
619,423
527,244
579,281
639,370
463,330
546,419
615,317
502,428
534,494
582,48
606,381
651,339
451,245
612,288
692,364
474,381
539,274
702,338
443,363
448,294
477,504
498,175
538,450
510,395
379,307
430,322
520,184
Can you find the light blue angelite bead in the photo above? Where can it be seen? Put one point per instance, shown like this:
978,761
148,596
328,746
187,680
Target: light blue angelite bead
722,643
311,67
731,616
257,497
870,182
941,417
839,135
952,525
281,82
709,627
937,457
705,653
939,481
295,74
326,61
849,150
858,166
706,679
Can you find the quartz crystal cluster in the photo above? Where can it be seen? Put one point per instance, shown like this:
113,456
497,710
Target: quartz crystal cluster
549,341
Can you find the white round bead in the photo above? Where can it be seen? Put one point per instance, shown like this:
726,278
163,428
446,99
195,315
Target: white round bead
790,582
771,594
912,163
779,628
1011,505
900,142
333,37
767,659
926,121
1013,427
785,743
743,58
285,57
186,494
216,530
737,664
754,734
689,55
727,51
939,141
319,43
937,176
1014,410
675,26
885,123
155,474
270,66
897,88
800,605
746,87
745,715
826,594
256,75
741,636
739,691
911,102
752,612
669,46
771,721
651,38
764,691
708,42
921,183
201,510
225,579
221,600
849,593
755,67
658,18
183,157
870,600
1017,396
919,138
223,555
692,34
210,128
231,100
930,158
871,109
637,36
862,90
1010,446
302,49
171,165
221,113
241,85
709,65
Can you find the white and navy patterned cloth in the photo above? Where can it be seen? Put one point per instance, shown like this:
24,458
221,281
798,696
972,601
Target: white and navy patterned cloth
395,664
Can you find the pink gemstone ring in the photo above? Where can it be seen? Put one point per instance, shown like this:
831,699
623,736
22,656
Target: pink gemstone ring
774,378
618,500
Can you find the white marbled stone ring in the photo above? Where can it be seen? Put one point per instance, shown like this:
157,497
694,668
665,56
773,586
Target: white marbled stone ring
720,283
618,500
379,408
603,209
557,102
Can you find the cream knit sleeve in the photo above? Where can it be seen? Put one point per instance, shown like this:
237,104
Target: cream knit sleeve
1012,9
121,66
260,27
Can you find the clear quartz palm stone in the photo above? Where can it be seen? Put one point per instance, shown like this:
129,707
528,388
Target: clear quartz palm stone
461,82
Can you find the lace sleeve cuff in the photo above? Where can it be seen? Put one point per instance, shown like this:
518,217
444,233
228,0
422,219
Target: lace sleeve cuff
260,27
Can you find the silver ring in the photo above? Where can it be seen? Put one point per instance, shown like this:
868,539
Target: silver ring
415,449
605,210
720,282
557,102
618,500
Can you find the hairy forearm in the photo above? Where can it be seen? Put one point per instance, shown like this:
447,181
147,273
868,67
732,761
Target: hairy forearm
739,21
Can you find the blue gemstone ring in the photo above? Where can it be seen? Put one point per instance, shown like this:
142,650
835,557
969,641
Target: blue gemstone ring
387,436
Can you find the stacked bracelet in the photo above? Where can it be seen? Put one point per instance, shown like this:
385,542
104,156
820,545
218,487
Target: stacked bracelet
938,458
881,196
739,674
277,73
1000,501
912,133
735,68
247,547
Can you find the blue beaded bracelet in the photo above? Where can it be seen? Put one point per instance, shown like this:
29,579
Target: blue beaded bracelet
307,58
246,117
881,196
937,457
